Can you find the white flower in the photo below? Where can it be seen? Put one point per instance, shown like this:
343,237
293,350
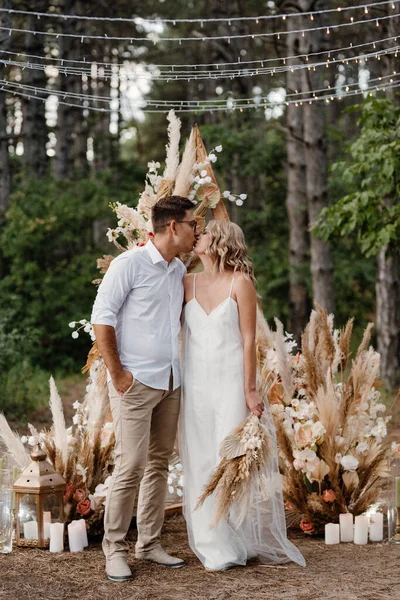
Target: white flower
349,462
203,173
239,202
75,334
218,148
82,471
243,196
362,448
232,198
171,489
76,419
226,194
179,493
212,158
76,405
207,179
179,467
32,440
24,439
72,324
83,321
87,328
111,234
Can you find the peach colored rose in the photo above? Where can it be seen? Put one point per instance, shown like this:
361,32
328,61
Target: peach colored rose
307,526
304,435
288,505
79,495
68,491
84,507
329,496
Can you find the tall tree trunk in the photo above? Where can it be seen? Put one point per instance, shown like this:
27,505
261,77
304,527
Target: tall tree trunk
70,156
388,272
35,134
316,159
5,176
388,315
296,197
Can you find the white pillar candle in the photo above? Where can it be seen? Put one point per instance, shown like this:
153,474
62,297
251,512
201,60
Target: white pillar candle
331,533
80,524
56,537
361,530
74,538
31,530
376,527
346,527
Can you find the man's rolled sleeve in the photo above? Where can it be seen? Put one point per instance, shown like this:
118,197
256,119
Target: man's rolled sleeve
113,290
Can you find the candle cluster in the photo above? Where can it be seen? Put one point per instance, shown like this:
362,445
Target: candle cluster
77,534
346,531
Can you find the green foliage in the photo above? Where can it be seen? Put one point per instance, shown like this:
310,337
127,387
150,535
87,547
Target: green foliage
49,255
371,210
23,388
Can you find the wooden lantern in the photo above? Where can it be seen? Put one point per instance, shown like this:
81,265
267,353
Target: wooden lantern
39,501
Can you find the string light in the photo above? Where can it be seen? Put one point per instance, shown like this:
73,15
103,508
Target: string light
154,38
159,21
126,75
201,108
177,104
87,61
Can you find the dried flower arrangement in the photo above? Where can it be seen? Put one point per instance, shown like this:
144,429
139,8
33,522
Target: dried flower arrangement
243,453
328,420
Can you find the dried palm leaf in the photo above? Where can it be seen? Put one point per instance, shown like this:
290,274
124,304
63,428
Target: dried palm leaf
184,178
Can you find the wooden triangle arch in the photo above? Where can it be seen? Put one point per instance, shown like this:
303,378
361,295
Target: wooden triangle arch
219,212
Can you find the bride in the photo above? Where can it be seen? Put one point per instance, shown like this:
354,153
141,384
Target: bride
219,391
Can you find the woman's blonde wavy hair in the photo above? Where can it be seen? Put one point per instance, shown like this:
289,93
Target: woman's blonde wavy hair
228,248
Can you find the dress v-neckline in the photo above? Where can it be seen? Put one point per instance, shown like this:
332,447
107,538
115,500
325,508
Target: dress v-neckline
218,305
215,308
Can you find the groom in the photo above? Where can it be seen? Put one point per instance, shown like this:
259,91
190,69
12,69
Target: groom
136,319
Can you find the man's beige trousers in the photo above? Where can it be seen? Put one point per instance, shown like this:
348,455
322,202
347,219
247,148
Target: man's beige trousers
145,423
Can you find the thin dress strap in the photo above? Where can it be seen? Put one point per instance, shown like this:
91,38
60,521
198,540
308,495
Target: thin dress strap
194,286
233,281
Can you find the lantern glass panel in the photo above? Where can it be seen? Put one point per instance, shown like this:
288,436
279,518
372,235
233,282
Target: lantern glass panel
27,517
52,508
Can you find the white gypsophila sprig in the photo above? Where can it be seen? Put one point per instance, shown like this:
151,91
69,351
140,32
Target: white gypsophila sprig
82,324
237,198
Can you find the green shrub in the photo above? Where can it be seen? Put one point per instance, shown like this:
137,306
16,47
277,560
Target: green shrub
24,389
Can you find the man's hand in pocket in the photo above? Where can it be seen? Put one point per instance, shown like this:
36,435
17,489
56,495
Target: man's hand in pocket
122,381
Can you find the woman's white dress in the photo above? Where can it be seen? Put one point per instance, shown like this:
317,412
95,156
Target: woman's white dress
213,405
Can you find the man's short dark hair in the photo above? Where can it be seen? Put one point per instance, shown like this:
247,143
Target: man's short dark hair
167,209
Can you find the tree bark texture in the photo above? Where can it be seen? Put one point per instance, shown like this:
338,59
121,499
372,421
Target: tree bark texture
296,197
71,134
388,316
35,135
316,161
5,175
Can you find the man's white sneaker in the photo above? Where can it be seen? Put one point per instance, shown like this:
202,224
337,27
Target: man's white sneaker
159,556
117,569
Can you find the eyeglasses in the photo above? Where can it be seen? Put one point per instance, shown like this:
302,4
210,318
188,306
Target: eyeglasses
193,223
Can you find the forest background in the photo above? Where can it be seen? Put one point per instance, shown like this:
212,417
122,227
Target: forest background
61,166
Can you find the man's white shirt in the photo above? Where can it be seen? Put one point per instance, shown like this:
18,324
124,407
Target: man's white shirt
141,296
